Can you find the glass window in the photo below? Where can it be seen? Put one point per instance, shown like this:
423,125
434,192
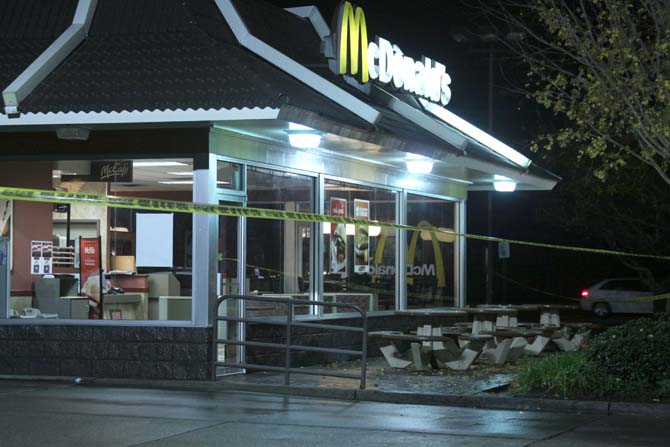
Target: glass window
359,261
93,262
278,252
430,256
228,175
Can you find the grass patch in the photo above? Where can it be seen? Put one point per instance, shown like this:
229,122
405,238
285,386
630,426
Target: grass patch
568,375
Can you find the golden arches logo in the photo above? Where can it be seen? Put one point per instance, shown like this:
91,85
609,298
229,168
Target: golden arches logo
411,253
353,30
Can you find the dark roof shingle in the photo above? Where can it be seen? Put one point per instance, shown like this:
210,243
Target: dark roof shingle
27,28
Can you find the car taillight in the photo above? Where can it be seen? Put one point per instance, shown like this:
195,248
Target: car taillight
585,293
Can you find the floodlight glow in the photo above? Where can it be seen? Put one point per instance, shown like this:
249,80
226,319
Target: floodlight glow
304,140
410,183
418,164
303,137
477,134
504,186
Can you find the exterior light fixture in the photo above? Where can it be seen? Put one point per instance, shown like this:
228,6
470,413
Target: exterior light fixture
73,133
504,185
418,164
303,137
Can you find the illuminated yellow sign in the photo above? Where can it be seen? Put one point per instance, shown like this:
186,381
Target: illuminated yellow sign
354,31
383,61
413,270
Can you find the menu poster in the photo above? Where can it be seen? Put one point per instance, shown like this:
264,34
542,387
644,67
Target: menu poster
338,238
361,239
41,257
5,217
90,274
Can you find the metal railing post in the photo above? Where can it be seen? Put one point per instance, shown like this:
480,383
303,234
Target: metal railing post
289,324
288,346
364,353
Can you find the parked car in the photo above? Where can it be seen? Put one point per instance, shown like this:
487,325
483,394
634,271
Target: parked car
614,295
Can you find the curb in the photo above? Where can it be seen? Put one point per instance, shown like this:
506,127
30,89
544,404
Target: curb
475,401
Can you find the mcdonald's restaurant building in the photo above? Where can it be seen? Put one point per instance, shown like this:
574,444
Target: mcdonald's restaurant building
232,102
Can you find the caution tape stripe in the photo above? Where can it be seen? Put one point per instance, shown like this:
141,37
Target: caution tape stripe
38,195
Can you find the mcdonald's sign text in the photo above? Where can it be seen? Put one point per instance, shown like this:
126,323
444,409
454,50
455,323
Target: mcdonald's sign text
384,61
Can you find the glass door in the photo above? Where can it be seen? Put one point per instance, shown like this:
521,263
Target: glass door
230,277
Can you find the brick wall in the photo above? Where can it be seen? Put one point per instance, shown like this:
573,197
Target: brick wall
106,351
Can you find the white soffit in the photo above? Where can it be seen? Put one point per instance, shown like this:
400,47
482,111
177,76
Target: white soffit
477,134
420,119
293,68
50,58
136,117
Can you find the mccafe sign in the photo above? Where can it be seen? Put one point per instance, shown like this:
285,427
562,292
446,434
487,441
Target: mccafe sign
384,62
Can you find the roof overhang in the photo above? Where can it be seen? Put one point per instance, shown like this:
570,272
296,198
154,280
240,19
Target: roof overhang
454,159
137,117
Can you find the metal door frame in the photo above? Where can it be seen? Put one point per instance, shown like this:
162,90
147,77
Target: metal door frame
240,198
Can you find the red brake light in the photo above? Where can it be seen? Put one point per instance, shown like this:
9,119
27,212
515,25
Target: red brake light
585,293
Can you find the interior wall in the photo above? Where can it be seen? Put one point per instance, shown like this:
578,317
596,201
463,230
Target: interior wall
32,220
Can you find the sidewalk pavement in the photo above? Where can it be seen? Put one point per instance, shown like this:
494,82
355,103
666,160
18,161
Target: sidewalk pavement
484,386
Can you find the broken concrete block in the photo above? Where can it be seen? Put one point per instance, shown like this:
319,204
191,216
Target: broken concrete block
393,357
537,346
564,344
419,358
448,353
499,352
516,349
466,359
578,339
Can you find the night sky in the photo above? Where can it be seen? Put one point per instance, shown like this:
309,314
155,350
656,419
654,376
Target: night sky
427,27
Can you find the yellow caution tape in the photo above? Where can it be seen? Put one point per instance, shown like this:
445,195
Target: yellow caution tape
47,196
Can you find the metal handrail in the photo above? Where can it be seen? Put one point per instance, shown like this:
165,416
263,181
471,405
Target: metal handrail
288,346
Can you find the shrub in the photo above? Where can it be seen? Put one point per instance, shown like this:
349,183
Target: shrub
637,351
570,374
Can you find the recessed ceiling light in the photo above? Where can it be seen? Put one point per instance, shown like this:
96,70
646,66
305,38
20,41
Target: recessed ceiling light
150,164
